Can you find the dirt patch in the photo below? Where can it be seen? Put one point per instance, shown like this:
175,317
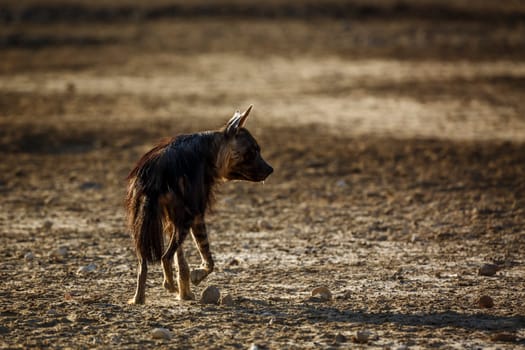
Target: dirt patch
396,178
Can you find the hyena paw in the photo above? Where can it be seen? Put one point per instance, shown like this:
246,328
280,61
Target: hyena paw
170,287
198,275
186,296
136,301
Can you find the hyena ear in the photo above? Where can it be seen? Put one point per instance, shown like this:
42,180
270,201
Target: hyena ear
244,116
237,121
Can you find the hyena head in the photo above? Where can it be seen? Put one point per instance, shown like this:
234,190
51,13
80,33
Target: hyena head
240,155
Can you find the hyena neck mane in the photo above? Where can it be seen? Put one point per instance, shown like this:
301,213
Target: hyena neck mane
192,160
214,151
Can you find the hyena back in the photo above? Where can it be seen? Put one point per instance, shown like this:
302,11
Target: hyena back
170,189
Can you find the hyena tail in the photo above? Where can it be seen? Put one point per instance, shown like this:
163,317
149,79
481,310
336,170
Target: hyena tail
146,227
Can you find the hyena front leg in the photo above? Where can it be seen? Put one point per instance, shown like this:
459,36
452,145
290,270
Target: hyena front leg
175,245
200,236
140,292
167,268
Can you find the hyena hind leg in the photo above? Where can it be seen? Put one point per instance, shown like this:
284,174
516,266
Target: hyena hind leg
175,242
169,283
140,292
167,269
175,247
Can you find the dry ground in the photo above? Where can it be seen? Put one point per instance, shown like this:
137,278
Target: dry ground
397,135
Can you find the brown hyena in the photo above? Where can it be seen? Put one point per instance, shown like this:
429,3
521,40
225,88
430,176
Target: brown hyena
170,189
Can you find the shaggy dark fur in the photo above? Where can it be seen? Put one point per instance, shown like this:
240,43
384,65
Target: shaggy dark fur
183,167
170,189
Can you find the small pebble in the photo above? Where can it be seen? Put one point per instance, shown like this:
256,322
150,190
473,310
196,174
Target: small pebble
505,337
341,183
227,300
47,224
210,295
73,317
323,293
115,338
70,87
347,295
264,225
339,338
86,269
161,333
59,253
486,302
415,238
361,337
29,257
488,270
234,262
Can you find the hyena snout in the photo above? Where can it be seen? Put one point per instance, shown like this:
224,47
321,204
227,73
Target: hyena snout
264,170
256,170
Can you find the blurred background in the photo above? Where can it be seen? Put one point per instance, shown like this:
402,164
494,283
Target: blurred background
451,69
396,129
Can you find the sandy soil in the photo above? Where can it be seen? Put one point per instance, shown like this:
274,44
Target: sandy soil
398,144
